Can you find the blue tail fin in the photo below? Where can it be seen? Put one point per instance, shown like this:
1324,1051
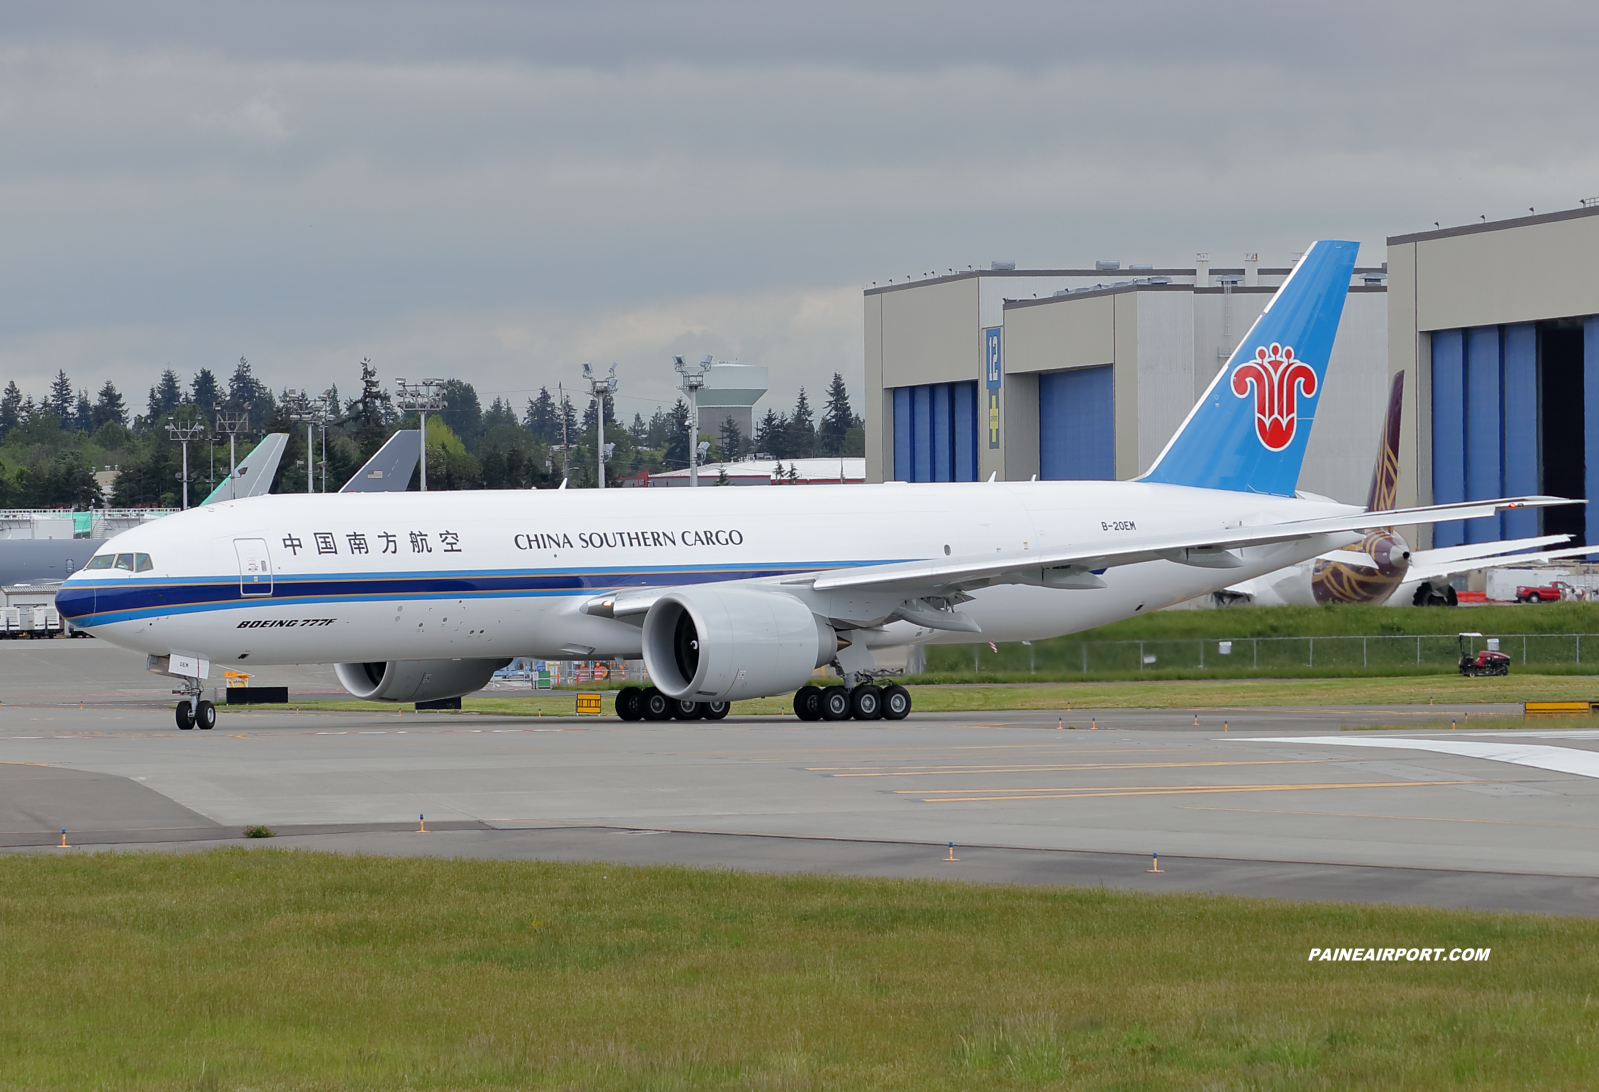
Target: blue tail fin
1249,431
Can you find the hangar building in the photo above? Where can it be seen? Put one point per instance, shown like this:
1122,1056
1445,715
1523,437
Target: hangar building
1086,373
1499,322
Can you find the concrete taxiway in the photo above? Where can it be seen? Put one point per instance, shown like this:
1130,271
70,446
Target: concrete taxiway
1279,803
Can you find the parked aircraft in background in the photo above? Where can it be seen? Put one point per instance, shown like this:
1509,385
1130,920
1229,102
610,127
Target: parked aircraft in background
255,472
733,593
390,469
1382,568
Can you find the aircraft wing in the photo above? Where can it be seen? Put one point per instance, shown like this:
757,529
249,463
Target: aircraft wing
1207,549
389,471
1443,571
255,472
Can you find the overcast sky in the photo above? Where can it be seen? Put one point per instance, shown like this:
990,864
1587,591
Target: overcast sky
502,191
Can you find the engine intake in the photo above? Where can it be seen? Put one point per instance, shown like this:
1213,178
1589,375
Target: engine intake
724,643
416,680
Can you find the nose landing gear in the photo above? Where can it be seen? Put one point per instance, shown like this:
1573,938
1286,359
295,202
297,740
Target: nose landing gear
192,710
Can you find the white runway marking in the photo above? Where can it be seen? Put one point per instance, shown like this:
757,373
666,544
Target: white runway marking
1560,759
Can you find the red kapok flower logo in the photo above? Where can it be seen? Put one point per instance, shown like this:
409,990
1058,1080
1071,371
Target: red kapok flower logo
1278,380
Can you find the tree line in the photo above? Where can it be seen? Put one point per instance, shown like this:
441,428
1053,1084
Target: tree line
52,448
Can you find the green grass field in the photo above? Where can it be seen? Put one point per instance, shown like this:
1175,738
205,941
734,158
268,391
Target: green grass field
1154,694
271,970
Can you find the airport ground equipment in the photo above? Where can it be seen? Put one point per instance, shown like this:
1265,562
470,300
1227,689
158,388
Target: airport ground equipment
1489,661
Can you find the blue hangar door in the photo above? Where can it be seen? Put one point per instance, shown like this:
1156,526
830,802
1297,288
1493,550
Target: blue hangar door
1515,410
1077,424
935,433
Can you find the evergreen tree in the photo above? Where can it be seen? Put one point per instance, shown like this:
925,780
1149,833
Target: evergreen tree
541,418
837,418
108,406
245,390
165,396
639,429
370,413
462,411
801,429
500,413
204,390
730,439
771,435
610,416
677,438
10,409
657,434
83,413
567,430
62,402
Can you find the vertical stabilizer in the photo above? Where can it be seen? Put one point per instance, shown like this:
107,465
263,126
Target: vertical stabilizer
1249,431
1384,491
255,472
390,470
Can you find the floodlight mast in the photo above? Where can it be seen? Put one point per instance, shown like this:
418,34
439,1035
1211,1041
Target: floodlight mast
424,396
600,389
693,380
305,409
183,434
230,423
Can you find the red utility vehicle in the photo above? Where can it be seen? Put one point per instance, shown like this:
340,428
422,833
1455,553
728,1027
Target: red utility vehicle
1490,661
1553,592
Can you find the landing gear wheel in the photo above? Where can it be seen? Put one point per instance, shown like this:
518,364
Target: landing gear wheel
834,703
654,704
684,709
206,716
896,702
627,703
185,716
866,703
808,703
715,710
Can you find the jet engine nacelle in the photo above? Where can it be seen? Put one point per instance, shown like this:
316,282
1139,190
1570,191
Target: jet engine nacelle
416,680
724,643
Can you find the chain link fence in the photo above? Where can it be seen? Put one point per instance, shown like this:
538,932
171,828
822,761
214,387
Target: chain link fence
1266,654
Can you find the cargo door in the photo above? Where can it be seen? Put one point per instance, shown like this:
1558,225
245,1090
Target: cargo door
255,566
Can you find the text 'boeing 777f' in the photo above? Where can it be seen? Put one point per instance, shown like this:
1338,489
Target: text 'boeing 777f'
741,593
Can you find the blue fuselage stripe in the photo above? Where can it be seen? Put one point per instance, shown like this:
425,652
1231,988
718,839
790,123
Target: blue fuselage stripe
122,600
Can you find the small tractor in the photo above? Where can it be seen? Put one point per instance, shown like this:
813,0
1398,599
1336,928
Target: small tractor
1490,661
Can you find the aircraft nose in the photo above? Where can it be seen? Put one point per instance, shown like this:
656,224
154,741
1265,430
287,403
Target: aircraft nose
75,602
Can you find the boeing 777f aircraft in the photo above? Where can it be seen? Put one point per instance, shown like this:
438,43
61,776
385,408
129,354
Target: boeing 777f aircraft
741,593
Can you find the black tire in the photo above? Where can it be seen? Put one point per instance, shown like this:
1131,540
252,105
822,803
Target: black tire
1501,669
654,704
834,703
627,703
185,716
716,710
866,703
896,702
808,703
1534,597
205,717
686,709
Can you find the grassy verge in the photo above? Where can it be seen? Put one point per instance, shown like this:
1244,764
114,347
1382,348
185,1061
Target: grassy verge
275,970
1181,694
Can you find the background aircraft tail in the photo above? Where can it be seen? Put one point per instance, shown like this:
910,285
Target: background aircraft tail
390,469
255,472
1249,431
1384,492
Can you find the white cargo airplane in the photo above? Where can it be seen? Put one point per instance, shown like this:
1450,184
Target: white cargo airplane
740,593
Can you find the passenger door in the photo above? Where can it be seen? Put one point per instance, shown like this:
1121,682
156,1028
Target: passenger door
255,566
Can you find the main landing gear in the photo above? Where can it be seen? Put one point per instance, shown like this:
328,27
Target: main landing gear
192,710
864,702
648,703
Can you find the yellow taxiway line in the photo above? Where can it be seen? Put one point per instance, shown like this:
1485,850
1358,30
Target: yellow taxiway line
1156,790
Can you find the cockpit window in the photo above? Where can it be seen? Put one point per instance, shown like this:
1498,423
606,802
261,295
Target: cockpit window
125,561
142,563
101,562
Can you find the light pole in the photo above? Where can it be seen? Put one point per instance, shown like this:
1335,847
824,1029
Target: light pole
303,408
329,407
183,434
693,380
230,423
600,389
424,396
